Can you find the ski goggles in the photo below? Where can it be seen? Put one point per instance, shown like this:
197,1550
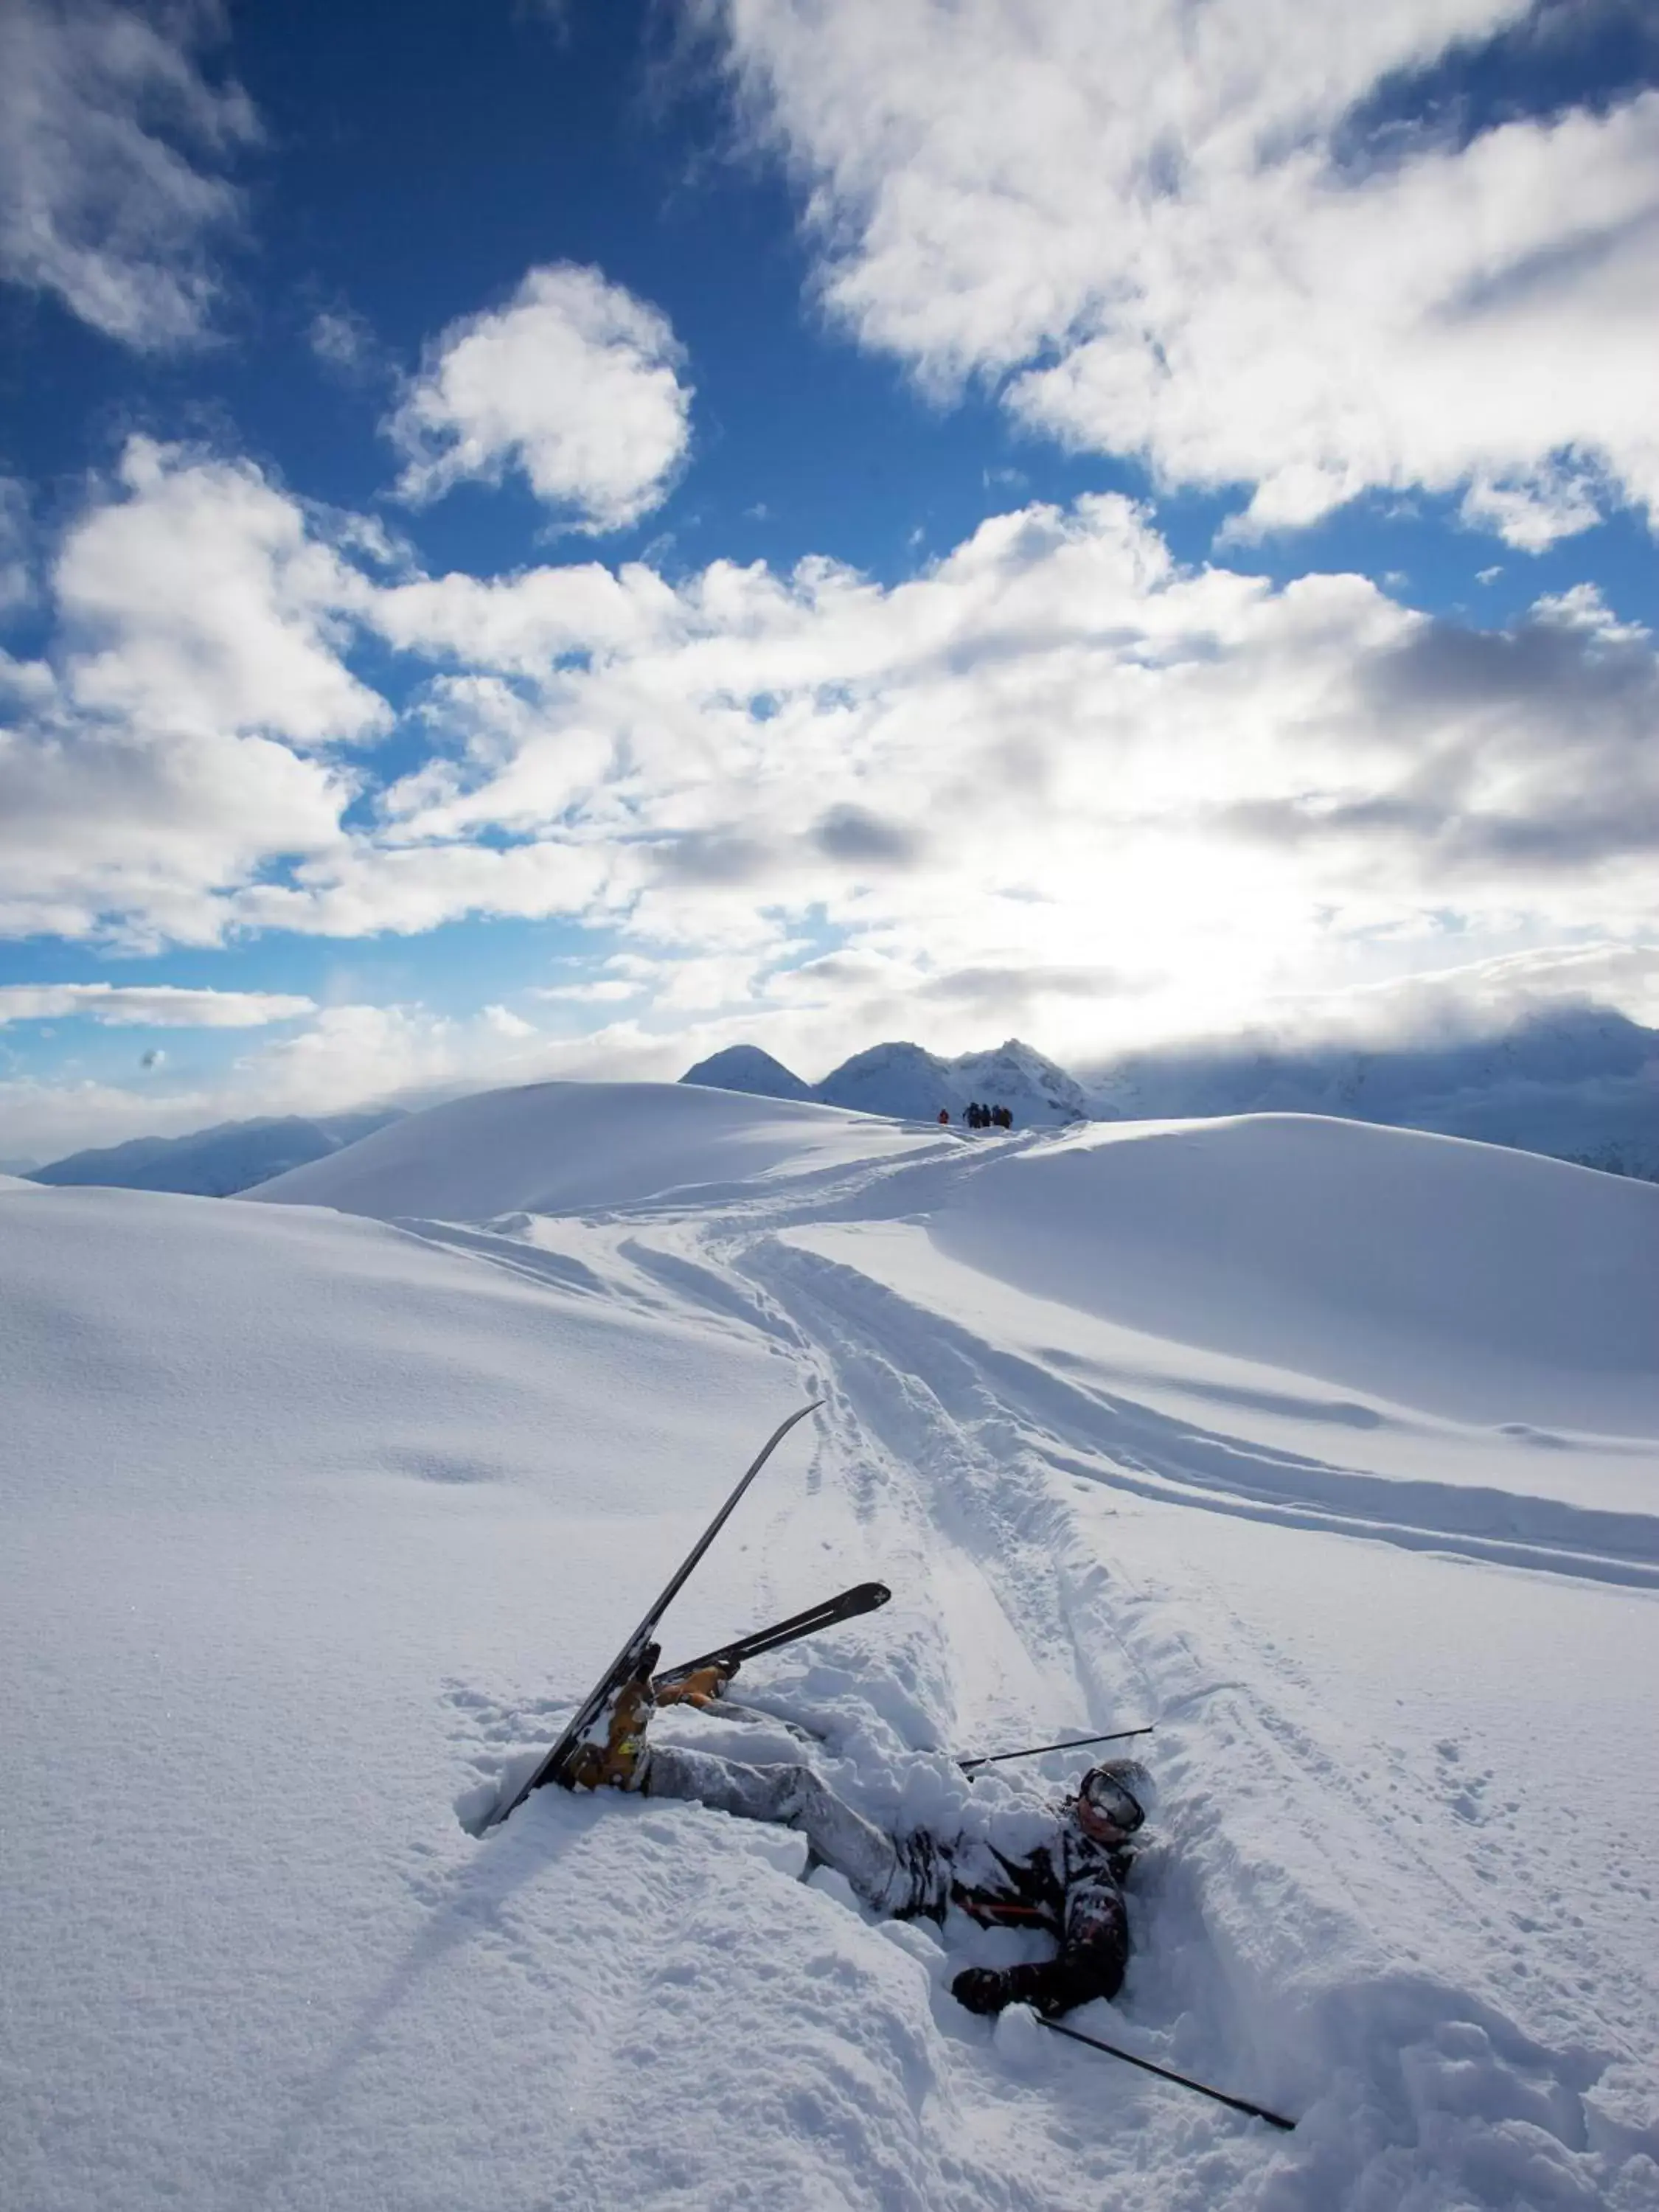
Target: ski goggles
1111,1801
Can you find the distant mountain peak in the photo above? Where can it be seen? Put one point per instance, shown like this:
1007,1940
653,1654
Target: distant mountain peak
221,1160
746,1068
1018,1076
907,1081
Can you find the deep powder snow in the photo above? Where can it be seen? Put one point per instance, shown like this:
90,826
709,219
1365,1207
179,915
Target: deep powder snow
1330,1450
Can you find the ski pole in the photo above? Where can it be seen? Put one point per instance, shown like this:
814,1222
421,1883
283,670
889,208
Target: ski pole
1032,1751
1164,2073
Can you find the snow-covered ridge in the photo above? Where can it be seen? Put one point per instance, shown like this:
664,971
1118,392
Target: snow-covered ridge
1328,1449
556,1148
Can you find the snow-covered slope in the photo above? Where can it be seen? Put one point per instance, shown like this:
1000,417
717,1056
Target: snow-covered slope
284,1494
1458,1278
568,1147
1329,1449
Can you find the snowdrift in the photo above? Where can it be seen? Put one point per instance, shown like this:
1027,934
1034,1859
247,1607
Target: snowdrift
579,1147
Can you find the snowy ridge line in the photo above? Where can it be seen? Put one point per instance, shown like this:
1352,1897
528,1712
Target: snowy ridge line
595,1151
1156,1456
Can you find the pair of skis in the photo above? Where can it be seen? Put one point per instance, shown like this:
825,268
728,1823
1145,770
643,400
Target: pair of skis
639,1654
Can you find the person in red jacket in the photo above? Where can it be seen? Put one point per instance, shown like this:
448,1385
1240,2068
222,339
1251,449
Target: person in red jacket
1069,1887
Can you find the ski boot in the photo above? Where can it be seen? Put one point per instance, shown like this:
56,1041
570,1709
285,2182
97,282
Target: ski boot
613,1755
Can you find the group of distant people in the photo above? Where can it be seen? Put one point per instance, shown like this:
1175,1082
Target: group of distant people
982,1117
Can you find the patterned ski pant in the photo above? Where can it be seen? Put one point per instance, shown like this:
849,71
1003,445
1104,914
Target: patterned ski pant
900,1879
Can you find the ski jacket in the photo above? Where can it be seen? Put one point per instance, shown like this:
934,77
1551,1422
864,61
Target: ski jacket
1072,1889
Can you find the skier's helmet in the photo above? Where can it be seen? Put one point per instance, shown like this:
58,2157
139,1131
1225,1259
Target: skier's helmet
1107,1807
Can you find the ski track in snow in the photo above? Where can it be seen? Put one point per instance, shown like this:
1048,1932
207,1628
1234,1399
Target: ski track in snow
1440,2055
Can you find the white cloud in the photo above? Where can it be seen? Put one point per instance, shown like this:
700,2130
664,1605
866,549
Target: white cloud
347,1055
1055,755
410,1055
200,623
574,382
150,1005
810,1018
16,562
1051,759
609,990
343,341
365,888
1056,783
1168,232
110,831
1486,997
1437,1010
201,602
98,203
1530,514
351,1055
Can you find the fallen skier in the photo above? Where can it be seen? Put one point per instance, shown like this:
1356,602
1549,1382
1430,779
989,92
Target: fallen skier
1069,1887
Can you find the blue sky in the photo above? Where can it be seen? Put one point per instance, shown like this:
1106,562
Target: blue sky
554,539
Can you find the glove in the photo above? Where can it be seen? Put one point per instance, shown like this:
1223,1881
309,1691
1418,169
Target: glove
1049,1989
981,1989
